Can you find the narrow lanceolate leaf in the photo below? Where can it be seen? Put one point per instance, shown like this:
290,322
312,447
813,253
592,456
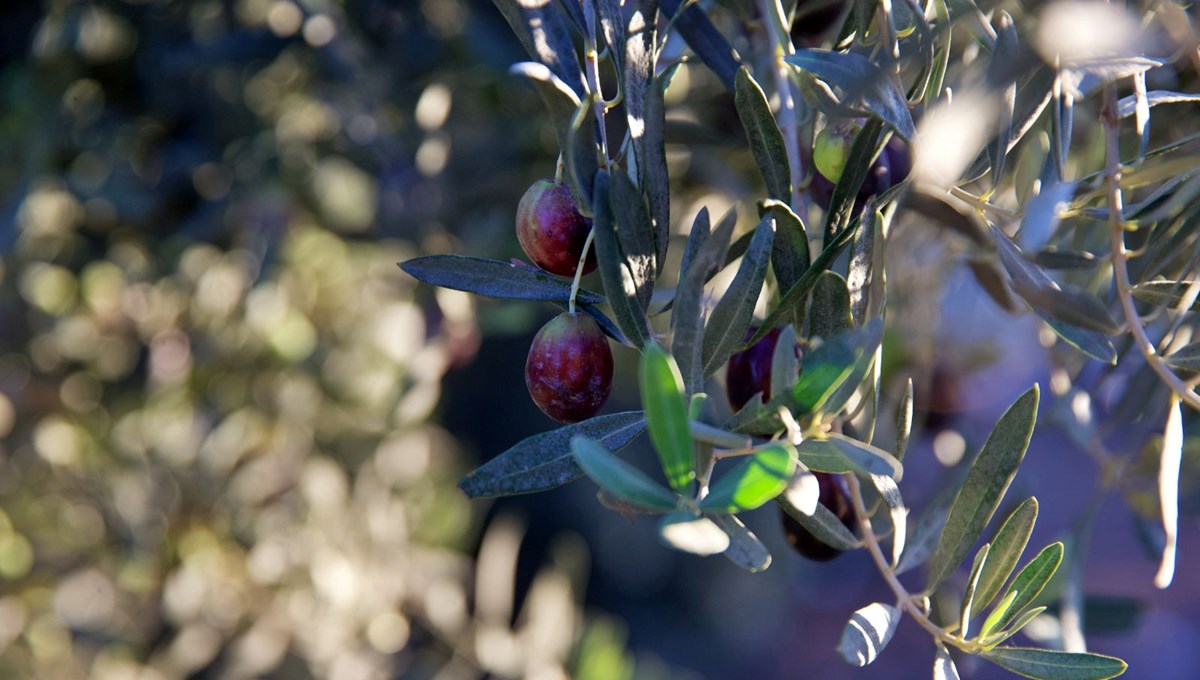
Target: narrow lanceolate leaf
865,87
860,273
544,461
889,491
543,30
943,665
1045,664
745,550
1186,358
705,40
638,71
1007,547
829,311
766,141
493,278
928,528
618,279
785,367
612,25
789,251
752,482
1042,213
625,482
845,193
731,317
561,101
702,256
991,473
821,523
635,233
1128,104
800,290
1165,293
904,416
1030,580
868,340
1020,622
696,534
579,156
867,632
861,457
964,612
652,170
1168,490
666,415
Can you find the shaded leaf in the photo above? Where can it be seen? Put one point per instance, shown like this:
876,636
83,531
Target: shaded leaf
789,251
845,192
820,454
622,480
752,482
493,278
705,40
1007,548
865,86
1186,358
1053,257
692,533
1165,293
904,416
859,274
731,317
579,157
652,169
821,523
543,31
635,233
615,273
702,256
785,367
544,461
1046,664
560,99
990,474
829,311
867,632
927,530
745,550
666,416
766,141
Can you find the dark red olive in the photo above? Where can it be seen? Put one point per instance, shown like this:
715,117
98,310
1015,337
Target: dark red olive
569,370
749,371
835,496
551,231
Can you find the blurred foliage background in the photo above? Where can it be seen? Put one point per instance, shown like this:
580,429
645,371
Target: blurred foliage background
226,416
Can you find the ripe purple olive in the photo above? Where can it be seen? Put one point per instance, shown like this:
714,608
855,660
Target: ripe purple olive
835,496
569,370
551,231
749,371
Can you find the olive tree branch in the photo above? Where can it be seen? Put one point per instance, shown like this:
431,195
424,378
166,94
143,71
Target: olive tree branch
1116,224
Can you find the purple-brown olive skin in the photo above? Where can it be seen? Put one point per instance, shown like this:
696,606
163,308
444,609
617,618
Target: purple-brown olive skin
569,370
551,231
749,371
835,496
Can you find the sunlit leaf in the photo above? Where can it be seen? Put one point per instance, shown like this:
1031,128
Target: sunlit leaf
1165,293
1030,581
1007,548
666,416
964,615
991,473
635,233
865,86
839,453
1046,664
943,665
752,482
1169,462
543,31
904,417
789,251
696,534
867,632
619,282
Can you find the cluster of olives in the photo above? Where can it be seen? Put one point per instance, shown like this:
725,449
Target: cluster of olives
747,374
831,149
570,365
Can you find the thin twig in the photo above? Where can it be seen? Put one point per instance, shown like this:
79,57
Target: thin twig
592,57
903,597
1116,225
587,245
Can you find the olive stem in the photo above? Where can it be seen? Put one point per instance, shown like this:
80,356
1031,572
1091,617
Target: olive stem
592,57
904,598
1116,225
587,245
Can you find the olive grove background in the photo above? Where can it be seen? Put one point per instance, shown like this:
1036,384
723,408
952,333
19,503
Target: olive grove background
231,428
